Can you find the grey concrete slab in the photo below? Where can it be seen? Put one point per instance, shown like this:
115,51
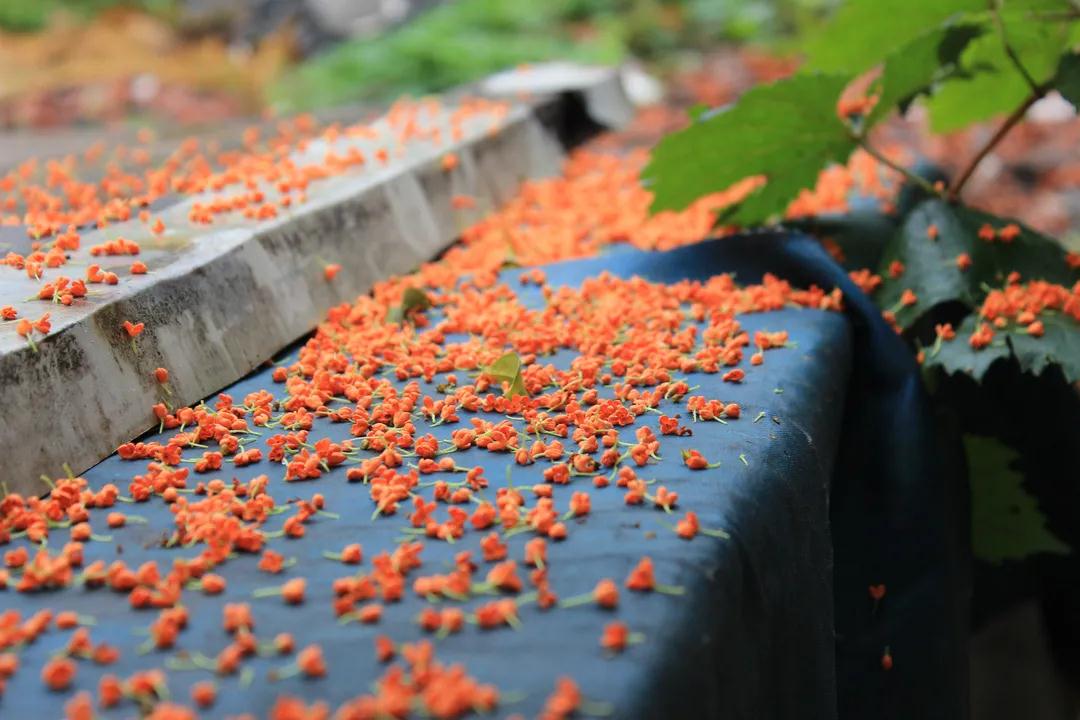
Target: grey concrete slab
221,299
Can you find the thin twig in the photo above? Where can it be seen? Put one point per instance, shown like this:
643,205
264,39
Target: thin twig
995,11
1037,93
874,153
1013,119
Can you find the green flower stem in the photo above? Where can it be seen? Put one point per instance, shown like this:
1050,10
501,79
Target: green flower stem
912,177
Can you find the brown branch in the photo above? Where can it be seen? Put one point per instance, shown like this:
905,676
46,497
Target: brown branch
1038,91
1010,122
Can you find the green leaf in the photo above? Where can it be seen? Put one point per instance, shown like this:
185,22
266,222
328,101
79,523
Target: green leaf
787,131
1040,6
1006,523
413,299
505,368
508,369
930,269
1067,79
918,66
1059,345
994,86
695,111
957,355
863,32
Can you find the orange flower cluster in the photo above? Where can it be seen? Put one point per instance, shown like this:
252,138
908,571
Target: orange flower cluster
51,198
1026,305
54,203
421,683
837,183
1024,302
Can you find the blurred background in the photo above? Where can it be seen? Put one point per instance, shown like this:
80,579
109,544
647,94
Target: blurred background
196,62
79,71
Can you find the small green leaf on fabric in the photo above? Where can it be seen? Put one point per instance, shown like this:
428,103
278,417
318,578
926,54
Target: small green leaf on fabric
507,369
413,299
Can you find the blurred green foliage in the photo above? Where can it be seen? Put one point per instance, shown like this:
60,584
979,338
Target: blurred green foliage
448,45
462,41
31,15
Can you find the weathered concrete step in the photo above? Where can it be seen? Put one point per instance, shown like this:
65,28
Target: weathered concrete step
221,299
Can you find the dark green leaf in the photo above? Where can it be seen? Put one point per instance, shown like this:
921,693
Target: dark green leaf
863,32
1006,523
413,299
918,66
994,86
957,356
929,266
787,131
1067,80
1059,345
930,269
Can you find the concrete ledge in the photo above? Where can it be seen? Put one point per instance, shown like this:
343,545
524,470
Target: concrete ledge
261,285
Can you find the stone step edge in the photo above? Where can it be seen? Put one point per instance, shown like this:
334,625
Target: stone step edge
86,390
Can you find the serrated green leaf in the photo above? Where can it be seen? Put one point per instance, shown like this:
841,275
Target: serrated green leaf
930,269
929,266
1059,345
915,68
994,86
957,355
1006,523
787,131
508,369
1067,79
412,299
863,32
